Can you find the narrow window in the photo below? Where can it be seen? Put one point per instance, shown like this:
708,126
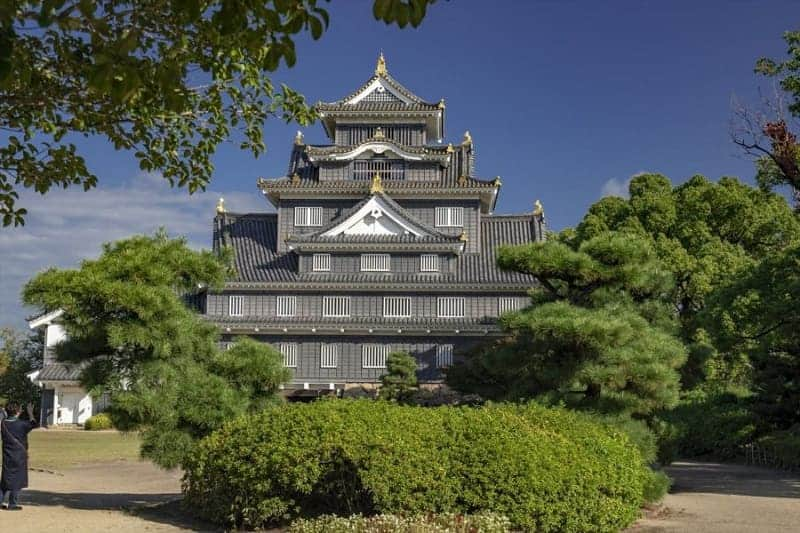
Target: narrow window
451,307
374,355
450,217
307,216
286,305
374,262
397,306
507,304
335,306
289,352
444,355
328,355
236,305
322,263
429,263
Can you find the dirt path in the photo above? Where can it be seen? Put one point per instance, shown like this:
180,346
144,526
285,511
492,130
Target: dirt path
725,498
101,497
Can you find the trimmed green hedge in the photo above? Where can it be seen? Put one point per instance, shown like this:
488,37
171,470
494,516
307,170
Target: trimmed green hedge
97,422
544,469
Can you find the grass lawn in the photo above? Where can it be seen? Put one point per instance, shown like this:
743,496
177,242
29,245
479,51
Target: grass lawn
55,449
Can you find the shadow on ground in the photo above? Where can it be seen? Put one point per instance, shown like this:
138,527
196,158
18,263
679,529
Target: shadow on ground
160,508
727,479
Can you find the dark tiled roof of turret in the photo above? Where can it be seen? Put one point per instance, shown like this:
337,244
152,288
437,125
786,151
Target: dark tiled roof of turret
253,238
61,372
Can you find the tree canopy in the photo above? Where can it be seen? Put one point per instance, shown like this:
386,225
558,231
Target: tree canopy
400,380
705,233
168,80
127,321
20,354
599,335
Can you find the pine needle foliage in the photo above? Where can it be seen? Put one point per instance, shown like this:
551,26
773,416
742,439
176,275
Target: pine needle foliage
400,381
599,335
126,318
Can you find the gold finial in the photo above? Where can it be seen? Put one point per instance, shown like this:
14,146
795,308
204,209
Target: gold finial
376,186
298,139
450,148
295,179
441,104
463,237
380,67
221,206
467,138
538,209
379,133
462,180
497,182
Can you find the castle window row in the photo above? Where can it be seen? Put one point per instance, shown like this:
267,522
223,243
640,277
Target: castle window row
308,216
450,217
387,169
393,306
372,355
375,263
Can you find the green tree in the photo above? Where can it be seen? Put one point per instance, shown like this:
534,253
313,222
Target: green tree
706,234
126,316
757,314
599,335
168,80
19,355
400,381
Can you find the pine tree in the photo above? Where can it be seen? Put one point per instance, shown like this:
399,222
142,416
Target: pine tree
400,381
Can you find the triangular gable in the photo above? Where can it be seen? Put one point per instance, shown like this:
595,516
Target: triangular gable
379,89
376,217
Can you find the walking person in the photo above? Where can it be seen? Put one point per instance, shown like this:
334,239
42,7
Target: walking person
15,454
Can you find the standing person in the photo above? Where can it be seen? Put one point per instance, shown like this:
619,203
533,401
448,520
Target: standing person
2,413
15,454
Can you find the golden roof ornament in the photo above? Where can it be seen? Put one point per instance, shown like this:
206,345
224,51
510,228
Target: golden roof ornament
450,148
441,104
295,179
221,206
497,182
467,138
298,139
462,180
376,186
463,237
379,133
538,209
380,66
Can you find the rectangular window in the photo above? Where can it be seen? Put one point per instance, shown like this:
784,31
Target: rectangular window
429,263
335,306
328,355
450,217
444,355
396,306
289,352
506,304
375,262
236,305
307,216
374,355
451,307
322,263
286,305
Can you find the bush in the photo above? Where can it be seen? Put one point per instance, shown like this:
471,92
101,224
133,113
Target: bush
656,486
98,422
545,469
715,423
783,447
444,523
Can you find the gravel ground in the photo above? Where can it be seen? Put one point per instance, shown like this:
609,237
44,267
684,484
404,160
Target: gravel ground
727,498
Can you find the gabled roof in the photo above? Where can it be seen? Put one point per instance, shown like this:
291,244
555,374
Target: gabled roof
379,145
379,95
259,265
45,319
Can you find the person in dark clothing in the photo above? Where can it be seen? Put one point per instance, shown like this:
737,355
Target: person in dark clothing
14,433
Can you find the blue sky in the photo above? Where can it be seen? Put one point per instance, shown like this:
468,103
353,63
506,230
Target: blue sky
564,100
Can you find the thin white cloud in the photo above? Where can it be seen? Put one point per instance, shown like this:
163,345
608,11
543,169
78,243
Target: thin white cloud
615,187
66,226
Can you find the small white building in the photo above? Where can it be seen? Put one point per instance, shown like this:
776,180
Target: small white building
64,401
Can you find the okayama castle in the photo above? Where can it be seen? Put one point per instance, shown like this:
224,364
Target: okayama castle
383,240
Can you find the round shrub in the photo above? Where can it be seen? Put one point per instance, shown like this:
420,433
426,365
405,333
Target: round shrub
98,422
544,469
